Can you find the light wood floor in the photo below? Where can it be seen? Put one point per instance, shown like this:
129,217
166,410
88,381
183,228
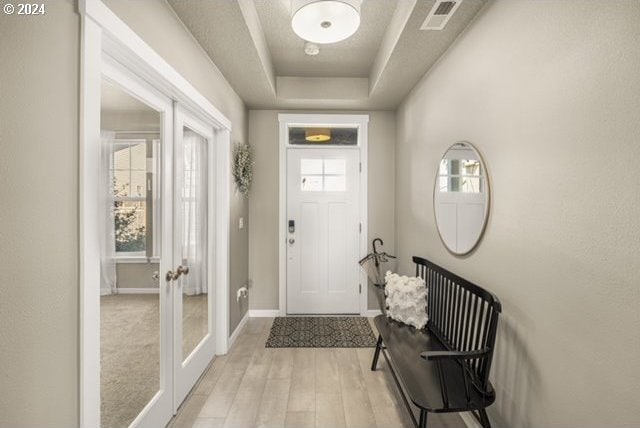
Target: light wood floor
254,386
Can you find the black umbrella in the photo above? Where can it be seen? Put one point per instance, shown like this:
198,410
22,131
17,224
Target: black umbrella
376,264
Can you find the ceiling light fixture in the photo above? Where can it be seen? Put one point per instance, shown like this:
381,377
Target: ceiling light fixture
317,135
325,21
311,49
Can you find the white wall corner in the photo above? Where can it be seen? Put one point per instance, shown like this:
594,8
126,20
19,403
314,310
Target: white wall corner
236,333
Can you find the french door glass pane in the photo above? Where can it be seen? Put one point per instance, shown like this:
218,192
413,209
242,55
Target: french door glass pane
129,288
195,316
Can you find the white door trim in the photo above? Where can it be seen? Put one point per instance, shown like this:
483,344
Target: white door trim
285,120
103,33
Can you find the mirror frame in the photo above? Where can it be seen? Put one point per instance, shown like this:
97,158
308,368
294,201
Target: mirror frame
487,210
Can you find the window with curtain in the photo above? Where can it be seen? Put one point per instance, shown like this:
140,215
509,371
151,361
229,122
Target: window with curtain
134,192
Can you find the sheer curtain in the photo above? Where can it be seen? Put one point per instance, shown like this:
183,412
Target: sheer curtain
194,214
107,223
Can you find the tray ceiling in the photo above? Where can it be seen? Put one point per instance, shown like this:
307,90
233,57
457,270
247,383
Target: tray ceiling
252,43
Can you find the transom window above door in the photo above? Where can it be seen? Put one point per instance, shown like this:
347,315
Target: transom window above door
318,135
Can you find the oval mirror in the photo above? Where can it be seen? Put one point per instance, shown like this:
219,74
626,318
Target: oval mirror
461,198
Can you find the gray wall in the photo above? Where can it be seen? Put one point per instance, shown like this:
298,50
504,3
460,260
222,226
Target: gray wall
39,218
39,110
158,25
548,91
263,207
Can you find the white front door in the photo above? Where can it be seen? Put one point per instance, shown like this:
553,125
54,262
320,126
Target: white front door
323,203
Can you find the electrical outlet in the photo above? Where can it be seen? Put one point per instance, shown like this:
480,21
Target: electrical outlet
241,223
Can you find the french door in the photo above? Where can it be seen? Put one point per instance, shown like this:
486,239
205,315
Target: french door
193,292
323,202
157,318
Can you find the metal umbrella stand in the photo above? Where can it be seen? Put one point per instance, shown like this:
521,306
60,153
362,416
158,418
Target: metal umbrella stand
376,264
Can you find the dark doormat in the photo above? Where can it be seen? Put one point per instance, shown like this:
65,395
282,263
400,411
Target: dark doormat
321,332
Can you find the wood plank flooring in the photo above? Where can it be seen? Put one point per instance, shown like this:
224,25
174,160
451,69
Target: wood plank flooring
253,386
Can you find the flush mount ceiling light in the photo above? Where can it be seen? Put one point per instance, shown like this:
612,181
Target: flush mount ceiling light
317,135
325,21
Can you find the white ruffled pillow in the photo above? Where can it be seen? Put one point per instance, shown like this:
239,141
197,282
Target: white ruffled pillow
406,299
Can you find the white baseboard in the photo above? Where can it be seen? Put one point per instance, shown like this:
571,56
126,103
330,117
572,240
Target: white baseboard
238,329
261,313
137,290
470,420
372,313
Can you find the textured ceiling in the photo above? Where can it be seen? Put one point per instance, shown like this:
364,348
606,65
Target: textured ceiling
350,58
252,43
220,28
417,51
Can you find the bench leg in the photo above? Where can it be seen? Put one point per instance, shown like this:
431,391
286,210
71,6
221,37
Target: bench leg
423,419
484,419
376,354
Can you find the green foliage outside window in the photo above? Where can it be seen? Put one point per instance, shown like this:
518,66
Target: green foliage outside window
129,237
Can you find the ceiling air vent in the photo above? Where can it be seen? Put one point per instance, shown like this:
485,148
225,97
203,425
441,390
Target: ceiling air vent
440,13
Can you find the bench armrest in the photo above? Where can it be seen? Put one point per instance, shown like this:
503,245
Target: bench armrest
454,355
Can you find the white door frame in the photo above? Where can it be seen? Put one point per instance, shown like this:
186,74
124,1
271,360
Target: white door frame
103,33
361,121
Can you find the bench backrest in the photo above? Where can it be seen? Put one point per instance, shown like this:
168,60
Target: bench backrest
462,315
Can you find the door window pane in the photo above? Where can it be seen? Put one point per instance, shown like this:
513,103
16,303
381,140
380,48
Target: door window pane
195,315
336,183
311,183
318,175
335,167
129,292
311,166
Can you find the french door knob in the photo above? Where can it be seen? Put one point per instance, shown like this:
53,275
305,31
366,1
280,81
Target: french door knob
292,241
181,270
156,275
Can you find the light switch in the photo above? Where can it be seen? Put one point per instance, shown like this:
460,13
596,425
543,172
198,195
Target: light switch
241,223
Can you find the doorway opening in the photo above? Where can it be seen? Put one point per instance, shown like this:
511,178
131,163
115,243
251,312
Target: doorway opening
323,213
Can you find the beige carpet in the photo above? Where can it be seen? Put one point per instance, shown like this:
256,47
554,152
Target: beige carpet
130,361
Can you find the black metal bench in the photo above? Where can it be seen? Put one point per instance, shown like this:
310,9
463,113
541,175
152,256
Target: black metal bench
445,366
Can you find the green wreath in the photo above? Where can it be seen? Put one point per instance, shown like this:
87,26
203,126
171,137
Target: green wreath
243,167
